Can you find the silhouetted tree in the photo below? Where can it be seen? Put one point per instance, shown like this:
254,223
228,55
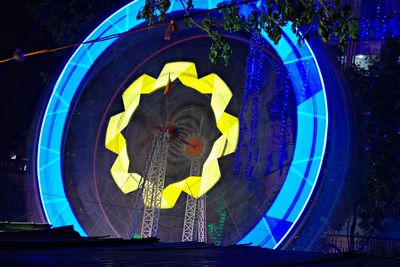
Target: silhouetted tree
377,92
315,17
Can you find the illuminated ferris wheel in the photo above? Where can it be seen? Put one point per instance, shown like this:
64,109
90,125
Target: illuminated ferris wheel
143,137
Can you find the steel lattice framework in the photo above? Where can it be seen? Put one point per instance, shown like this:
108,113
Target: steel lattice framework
201,219
138,206
153,187
194,226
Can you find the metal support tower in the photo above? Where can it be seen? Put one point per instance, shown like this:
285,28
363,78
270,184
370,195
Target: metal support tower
194,226
138,203
153,186
201,219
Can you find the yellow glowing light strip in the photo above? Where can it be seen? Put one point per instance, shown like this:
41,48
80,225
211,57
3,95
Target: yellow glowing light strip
228,125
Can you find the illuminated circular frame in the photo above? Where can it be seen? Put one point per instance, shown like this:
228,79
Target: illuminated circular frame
312,128
226,123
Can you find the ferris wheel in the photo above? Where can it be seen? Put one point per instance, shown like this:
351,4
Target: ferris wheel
144,137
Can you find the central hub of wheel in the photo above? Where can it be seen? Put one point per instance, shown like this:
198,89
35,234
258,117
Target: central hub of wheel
194,146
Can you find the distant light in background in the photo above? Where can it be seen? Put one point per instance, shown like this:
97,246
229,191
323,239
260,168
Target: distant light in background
19,55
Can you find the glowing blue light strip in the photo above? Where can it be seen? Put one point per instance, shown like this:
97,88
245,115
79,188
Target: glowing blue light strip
303,173
49,172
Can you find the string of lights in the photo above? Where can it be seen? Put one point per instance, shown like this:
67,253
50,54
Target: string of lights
279,120
20,56
249,111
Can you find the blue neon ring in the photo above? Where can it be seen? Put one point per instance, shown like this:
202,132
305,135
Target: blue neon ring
312,128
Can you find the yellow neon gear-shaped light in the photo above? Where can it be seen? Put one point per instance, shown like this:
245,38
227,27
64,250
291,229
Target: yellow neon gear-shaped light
227,124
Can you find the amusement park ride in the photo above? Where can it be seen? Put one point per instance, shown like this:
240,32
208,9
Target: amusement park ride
149,196
112,178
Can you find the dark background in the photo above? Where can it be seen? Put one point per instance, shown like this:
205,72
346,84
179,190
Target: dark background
25,86
30,26
21,83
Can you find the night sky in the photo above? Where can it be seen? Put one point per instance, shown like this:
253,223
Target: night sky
21,84
25,85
